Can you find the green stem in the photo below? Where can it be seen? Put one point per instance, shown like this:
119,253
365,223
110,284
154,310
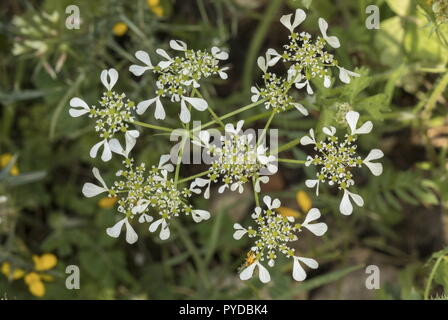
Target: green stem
180,154
201,174
291,161
287,146
214,115
257,201
230,114
431,276
266,127
435,95
152,126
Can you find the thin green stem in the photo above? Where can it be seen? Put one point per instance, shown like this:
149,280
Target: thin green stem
266,127
152,126
431,277
435,95
257,200
180,155
291,161
210,109
201,174
287,146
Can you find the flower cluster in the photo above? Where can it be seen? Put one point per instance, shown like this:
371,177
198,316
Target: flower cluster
113,116
236,160
308,60
336,159
142,194
178,77
274,232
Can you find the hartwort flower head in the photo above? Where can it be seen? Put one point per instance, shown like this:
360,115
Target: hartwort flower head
274,232
178,76
336,159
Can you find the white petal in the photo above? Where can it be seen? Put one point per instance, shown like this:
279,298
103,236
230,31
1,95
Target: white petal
115,231
365,128
317,228
109,78
329,131
240,231
143,105
95,148
356,198
332,41
261,62
375,167
159,113
144,57
301,108
97,175
197,103
267,201
178,45
327,82
78,107
107,153
116,147
145,218
184,115
90,190
77,112
263,273
298,273
312,183
163,53
305,140
247,273
312,215
137,70
131,235
309,262
276,204
219,54
345,207
352,119
199,215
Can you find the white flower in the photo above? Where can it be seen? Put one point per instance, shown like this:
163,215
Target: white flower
263,273
333,40
199,215
130,138
255,94
299,17
163,163
164,230
197,103
141,206
271,204
78,107
263,179
316,228
159,113
346,207
300,85
164,64
240,231
114,232
3,199
298,273
313,183
305,140
109,78
327,82
107,153
143,57
352,118
222,73
234,130
344,74
200,182
91,190
145,218
219,54
178,45
329,131
375,168
273,57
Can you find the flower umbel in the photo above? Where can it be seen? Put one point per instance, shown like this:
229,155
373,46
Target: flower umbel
274,232
336,159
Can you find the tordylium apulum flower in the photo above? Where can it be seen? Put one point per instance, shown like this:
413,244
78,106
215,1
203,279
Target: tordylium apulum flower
307,60
155,194
336,159
237,159
274,232
177,76
112,117
145,195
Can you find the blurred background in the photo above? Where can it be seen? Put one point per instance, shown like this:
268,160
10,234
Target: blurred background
46,224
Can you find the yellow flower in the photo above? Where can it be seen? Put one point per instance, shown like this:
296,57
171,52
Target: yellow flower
304,202
155,7
35,284
119,29
45,262
4,161
107,203
16,274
